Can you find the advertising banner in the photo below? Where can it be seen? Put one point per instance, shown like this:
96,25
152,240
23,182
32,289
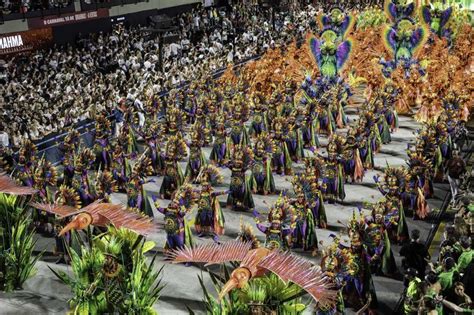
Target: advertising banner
13,43
68,18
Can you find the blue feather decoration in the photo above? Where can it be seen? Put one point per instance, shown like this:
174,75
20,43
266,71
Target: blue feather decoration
445,17
426,14
342,54
315,46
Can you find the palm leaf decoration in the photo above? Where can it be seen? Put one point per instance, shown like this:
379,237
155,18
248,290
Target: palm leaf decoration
16,243
111,274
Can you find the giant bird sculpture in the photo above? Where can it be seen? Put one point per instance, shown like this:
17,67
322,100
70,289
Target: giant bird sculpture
8,186
257,262
99,214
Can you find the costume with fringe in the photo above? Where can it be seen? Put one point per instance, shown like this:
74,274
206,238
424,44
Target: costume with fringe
177,227
262,181
240,195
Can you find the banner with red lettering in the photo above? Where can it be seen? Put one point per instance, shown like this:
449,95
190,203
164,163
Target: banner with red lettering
67,18
13,43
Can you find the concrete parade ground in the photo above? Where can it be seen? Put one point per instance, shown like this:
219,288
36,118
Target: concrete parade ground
45,294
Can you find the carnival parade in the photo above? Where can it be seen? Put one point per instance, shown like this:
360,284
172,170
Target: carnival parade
303,178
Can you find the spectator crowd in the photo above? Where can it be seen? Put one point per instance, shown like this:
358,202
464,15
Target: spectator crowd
55,88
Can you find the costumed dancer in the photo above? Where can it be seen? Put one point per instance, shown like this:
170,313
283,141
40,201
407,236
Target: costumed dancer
304,232
44,178
189,105
279,226
240,196
44,181
26,163
202,124
325,120
378,247
65,196
389,96
173,124
220,153
359,282
70,147
294,139
121,168
393,189
333,178
307,118
209,218
240,113
370,132
353,166
178,231
136,194
196,158
175,150
104,186
246,234
419,169
151,136
127,140
262,177
339,94
101,142
314,193
259,122
331,264
281,161
83,163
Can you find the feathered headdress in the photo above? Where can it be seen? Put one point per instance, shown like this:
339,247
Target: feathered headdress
176,147
185,196
105,183
264,142
152,130
355,228
174,115
395,177
83,160
67,196
72,140
281,210
210,174
142,167
336,143
45,174
246,234
417,160
102,126
27,152
242,153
